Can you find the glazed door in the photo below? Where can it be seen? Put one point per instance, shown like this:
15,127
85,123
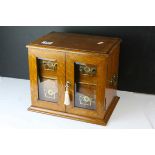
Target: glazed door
47,76
86,75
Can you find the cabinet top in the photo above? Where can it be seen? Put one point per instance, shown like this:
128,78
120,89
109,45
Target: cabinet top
76,42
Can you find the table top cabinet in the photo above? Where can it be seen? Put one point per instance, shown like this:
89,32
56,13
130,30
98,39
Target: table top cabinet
74,76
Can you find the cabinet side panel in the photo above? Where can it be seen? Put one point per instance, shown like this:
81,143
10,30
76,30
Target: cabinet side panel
112,71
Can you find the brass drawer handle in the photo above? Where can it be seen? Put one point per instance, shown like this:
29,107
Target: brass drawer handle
114,80
86,70
49,65
85,100
51,94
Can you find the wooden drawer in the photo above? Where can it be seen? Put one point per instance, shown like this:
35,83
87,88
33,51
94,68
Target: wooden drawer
48,89
85,96
47,68
86,73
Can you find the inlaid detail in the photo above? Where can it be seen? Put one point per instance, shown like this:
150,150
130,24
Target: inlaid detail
101,42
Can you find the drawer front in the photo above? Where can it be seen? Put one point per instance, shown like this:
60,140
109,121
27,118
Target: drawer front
48,89
47,68
86,75
85,96
47,76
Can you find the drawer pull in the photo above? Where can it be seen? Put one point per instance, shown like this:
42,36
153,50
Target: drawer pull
85,100
49,65
86,70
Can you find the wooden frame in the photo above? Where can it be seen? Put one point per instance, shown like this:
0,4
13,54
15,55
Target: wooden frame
60,57
100,64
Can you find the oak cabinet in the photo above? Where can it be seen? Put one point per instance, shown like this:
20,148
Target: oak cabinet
74,76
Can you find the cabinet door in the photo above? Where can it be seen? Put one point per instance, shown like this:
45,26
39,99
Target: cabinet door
47,76
86,74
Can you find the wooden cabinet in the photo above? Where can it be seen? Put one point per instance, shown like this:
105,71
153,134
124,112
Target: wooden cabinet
80,70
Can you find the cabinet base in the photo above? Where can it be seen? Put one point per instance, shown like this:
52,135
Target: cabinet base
78,117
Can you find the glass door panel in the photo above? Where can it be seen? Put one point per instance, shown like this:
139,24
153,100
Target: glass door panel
86,75
47,80
85,86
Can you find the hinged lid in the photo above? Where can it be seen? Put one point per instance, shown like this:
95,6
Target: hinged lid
76,42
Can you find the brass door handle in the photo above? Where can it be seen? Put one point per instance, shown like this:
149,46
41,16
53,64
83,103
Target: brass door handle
114,80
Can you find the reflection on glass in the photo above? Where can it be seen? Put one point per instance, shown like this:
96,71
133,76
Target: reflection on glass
85,86
48,89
